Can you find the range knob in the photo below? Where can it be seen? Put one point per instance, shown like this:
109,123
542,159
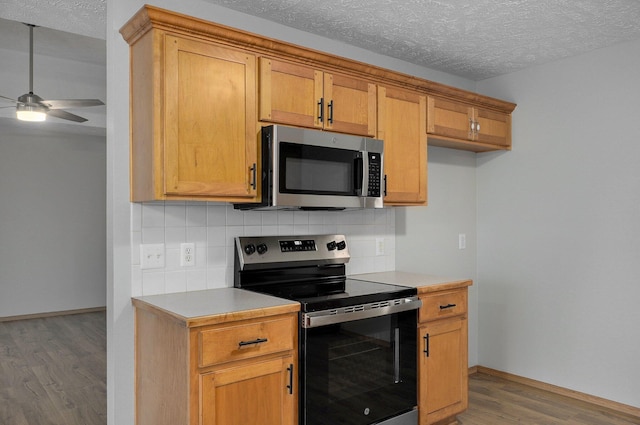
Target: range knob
341,245
331,245
262,248
249,249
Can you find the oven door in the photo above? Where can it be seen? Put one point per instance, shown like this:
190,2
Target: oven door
360,372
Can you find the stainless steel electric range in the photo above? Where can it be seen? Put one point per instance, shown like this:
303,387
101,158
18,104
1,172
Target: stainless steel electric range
357,353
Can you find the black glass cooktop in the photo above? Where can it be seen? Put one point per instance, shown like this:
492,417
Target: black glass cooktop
316,296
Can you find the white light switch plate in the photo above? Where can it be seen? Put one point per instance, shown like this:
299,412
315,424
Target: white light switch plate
152,256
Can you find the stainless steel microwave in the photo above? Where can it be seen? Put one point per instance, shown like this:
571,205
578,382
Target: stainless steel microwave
318,170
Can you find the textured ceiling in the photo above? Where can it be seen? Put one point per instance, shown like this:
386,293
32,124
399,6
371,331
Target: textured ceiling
84,17
473,39
49,42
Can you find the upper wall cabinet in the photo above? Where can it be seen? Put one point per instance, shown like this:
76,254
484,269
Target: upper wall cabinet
308,97
402,126
193,119
201,91
464,126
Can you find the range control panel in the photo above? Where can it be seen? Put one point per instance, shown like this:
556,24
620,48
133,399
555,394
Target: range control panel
267,251
298,245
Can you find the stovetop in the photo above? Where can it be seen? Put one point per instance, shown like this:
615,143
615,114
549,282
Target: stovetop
314,297
309,269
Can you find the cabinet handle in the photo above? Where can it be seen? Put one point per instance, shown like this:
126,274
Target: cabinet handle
444,307
426,345
254,171
330,110
290,386
385,185
477,127
252,342
472,126
321,110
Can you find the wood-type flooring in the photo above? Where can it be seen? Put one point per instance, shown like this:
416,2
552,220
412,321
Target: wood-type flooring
496,401
53,370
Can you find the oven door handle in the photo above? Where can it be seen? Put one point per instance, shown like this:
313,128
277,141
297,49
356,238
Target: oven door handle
329,317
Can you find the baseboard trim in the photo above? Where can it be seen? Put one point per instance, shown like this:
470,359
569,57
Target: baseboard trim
588,398
51,314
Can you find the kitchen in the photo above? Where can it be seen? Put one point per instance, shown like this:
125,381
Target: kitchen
551,226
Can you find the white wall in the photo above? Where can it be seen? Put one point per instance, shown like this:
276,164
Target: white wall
52,220
427,237
126,222
559,227
213,227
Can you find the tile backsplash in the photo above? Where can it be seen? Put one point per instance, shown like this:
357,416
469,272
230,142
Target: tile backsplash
213,226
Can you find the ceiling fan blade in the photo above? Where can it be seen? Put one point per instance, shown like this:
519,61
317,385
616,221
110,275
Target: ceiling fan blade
71,103
8,98
59,113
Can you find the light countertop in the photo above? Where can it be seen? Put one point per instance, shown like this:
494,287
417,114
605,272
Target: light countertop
424,282
212,306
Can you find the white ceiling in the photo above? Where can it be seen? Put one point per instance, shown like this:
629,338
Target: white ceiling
476,39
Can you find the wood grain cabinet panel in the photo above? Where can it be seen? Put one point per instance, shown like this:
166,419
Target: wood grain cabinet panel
402,126
245,340
259,393
193,120
303,96
197,374
442,356
462,125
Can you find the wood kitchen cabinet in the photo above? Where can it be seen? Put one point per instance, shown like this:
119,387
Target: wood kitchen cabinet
443,356
193,117
235,368
402,126
200,92
304,96
465,126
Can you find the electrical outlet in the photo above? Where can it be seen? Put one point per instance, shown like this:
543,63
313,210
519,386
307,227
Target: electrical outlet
187,254
379,246
152,256
462,241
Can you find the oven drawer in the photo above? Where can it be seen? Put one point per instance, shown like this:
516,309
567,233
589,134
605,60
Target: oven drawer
443,304
243,341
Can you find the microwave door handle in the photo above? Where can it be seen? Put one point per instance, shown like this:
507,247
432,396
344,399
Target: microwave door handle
358,171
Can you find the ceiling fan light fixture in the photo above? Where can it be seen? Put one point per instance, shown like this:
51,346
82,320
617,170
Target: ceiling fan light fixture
31,112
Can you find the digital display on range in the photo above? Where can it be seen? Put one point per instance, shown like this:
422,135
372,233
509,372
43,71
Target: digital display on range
298,245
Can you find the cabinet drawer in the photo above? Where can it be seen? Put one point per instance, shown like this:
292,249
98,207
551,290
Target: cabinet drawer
443,304
243,341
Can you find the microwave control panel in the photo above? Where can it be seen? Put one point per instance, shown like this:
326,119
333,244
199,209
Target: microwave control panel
375,173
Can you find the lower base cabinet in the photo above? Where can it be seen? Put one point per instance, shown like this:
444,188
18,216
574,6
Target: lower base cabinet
443,357
216,371
256,393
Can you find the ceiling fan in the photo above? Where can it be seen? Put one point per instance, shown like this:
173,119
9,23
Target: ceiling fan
31,107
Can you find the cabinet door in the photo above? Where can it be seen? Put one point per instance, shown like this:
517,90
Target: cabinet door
402,127
290,94
443,370
449,119
253,394
210,139
494,127
350,105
